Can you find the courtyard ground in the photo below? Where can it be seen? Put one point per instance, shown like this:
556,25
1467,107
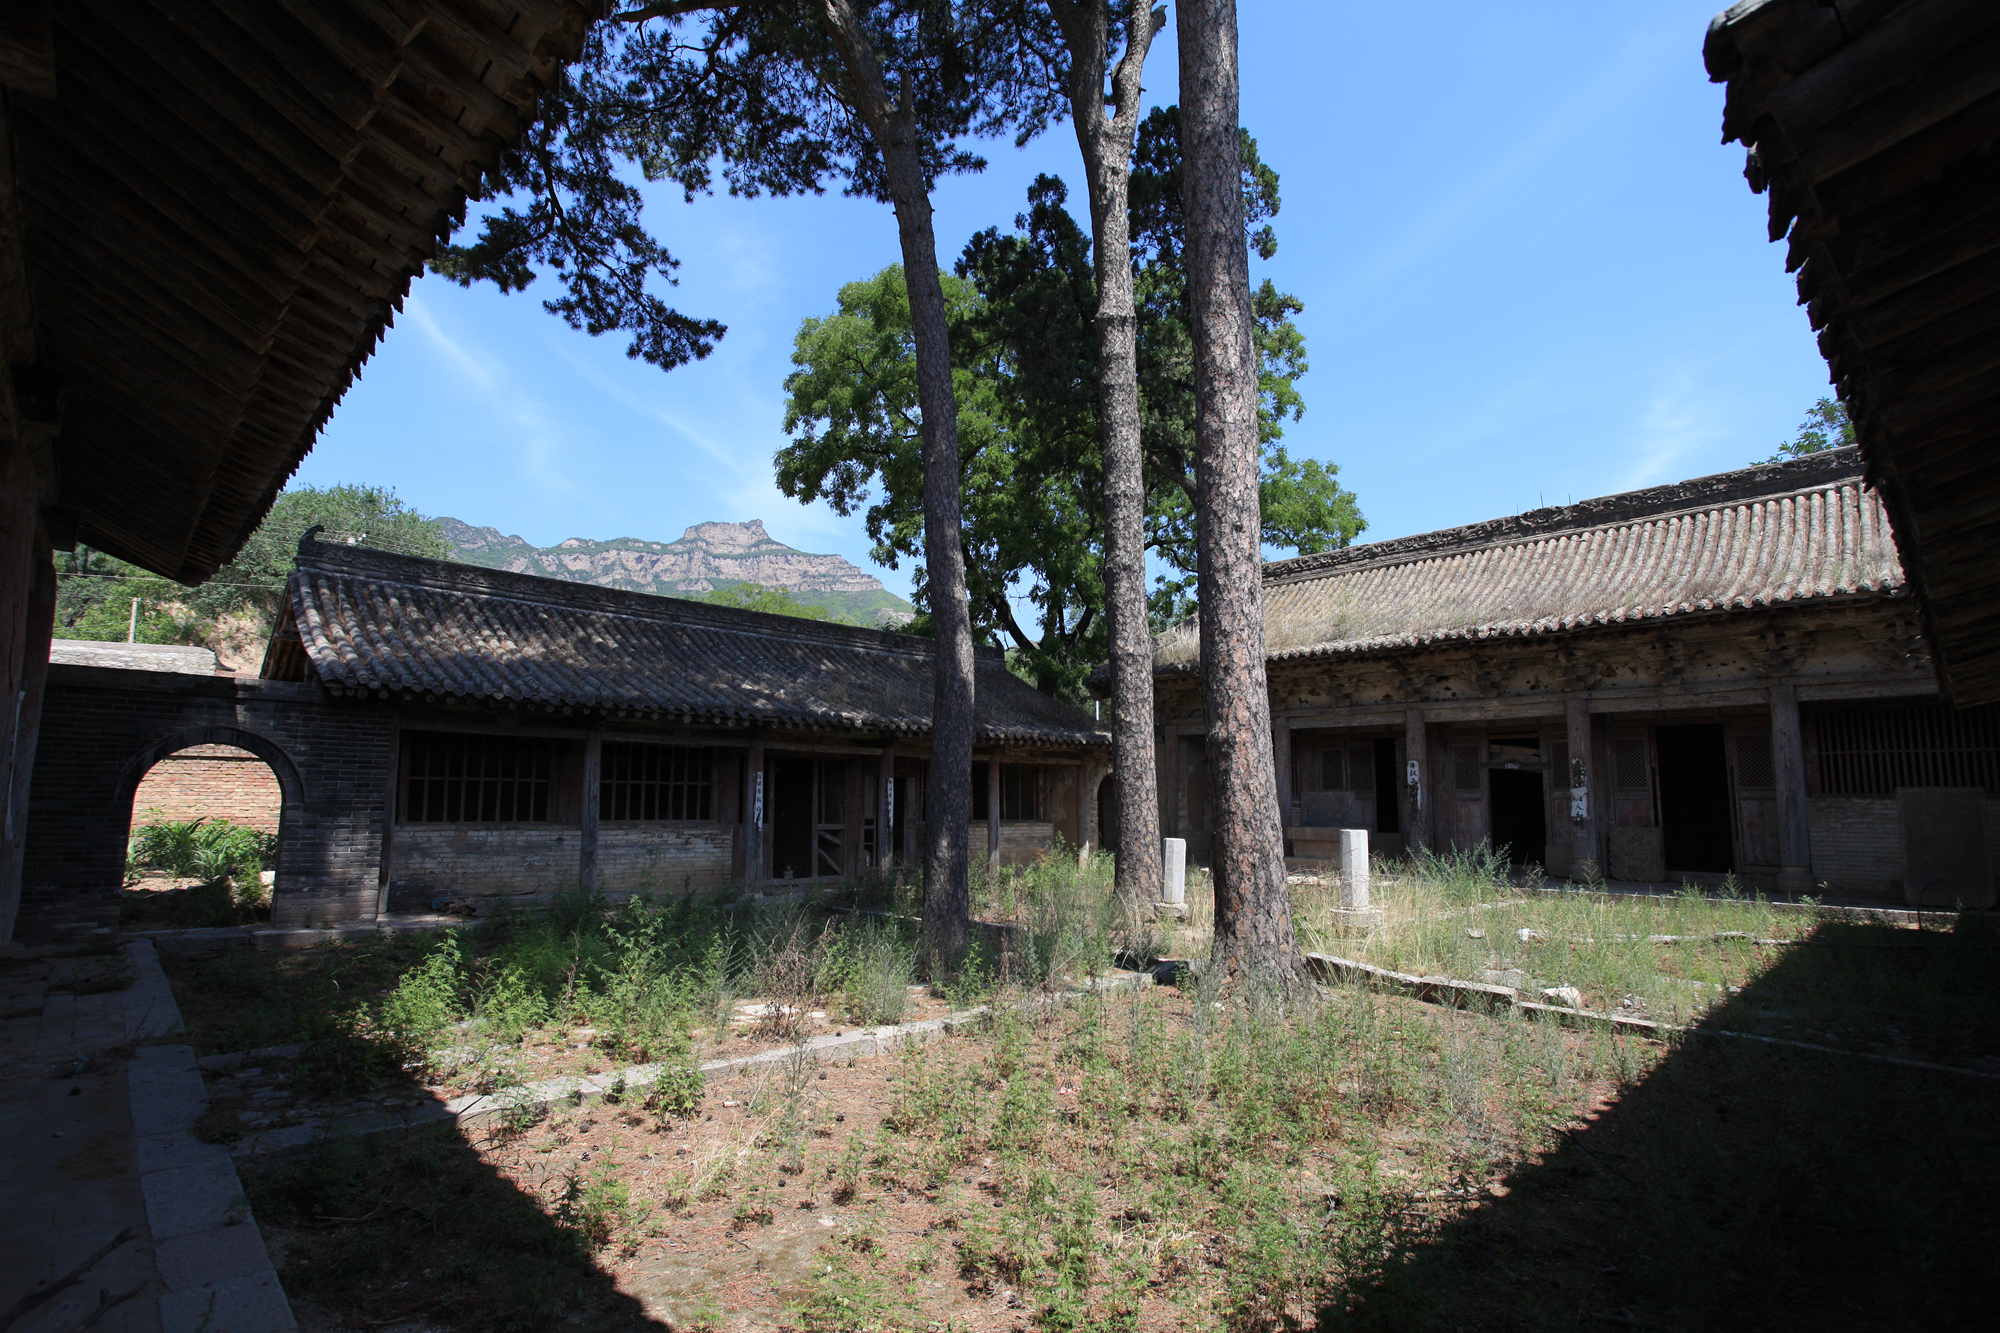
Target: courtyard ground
1179,1156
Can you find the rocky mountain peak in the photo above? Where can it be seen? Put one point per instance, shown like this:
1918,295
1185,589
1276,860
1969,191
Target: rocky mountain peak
732,537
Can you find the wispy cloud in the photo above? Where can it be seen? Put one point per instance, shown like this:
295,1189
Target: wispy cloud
542,445
1622,80
1676,424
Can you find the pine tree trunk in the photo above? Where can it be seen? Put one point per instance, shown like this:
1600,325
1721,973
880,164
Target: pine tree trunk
948,795
1253,912
1107,159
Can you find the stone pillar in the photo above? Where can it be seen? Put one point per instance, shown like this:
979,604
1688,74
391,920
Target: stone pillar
753,814
1415,776
993,810
885,808
1281,754
1173,871
586,838
1353,868
1788,758
1587,860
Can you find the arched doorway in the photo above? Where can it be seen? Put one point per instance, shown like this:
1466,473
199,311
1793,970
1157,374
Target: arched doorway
205,813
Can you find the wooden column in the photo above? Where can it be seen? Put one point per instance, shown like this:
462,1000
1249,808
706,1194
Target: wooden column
392,797
1087,833
851,780
885,808
1587,858
754,799
21,547
913,855
993,810
1788,758
39,621
1416,800
586,840
1281,756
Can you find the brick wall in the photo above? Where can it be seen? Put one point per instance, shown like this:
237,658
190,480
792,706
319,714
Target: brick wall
104,728
1857,844
210,782
429,861
1023,842
663,858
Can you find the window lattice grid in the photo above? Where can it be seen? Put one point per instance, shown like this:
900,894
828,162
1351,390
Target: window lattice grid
1465,767
476,779
638,781
1361,768
1020,791
1628,763
1333,769
1559,763
1873,751
1756,768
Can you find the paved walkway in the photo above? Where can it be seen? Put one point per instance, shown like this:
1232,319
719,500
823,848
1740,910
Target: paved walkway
113,1215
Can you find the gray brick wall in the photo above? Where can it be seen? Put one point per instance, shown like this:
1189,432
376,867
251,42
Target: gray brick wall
103,728
481,860
1857,844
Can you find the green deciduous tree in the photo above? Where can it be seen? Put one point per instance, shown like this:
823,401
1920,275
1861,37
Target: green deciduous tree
1826,426
784,96
96,591
1025,350
771,601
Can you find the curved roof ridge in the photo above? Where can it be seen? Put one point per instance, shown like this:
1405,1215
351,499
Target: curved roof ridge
1697,495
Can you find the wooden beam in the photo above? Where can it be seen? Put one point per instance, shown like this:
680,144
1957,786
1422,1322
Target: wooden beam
28,47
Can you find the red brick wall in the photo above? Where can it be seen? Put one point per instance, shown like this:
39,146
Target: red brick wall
209,782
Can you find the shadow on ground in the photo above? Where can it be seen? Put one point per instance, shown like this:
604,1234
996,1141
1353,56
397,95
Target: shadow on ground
1751,1185
403,1228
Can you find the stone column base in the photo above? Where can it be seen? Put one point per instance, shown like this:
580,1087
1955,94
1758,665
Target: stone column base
1795,881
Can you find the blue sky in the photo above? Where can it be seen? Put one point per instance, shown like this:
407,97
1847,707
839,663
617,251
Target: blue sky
1530,272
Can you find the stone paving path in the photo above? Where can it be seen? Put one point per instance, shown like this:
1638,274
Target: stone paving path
113,1215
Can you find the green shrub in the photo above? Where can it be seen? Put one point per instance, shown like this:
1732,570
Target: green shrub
222,858
426,1003
509,1005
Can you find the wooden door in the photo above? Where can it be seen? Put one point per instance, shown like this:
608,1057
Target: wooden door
1468,793
1753,778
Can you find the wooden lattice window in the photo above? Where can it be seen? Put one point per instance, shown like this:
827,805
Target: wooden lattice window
1629,769
1466,765
1873,751
642,781
450,779
1020,792
1756,769
1361,768
1333,769
1559,763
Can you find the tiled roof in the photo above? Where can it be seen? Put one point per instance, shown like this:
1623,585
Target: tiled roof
1764,536
372,622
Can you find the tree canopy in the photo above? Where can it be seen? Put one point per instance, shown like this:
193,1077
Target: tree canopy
95,592
1024,367
1826,426
772,601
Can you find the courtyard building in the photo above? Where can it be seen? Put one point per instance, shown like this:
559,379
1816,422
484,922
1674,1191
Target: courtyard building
442,732
1724,677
